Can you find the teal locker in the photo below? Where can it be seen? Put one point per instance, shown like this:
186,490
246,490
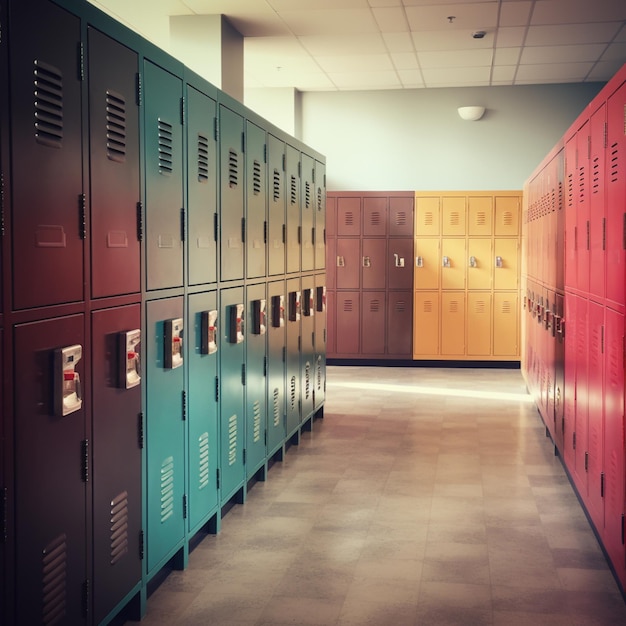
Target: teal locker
165,430
307,347
201,188
307,204
256,378
231,216
320,340
256,202
276,345
320,216
292,361
202,408
231,393
293,211
276,206
163,134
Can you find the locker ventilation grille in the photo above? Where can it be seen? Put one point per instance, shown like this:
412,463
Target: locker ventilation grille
203,456
506,307
455,218
119,527
570,190
348,305
293,191
429,218
233,168
203,158
453,306
232,439
375,306
256,178
348,218
401,218
116,127
400,306
48,105
480,307
615,159
166,149
54,581
167,489
320,204
307,195
375,218
318,372
256,421
507,218
595,183
581,183
307,380
276,406
481,218
428,306
292,392
276,185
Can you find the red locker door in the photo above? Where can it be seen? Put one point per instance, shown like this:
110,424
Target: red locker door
570,214
559,371
331,263
582,377
373,264
348,263
331,324
583,224
597,209
400,323
348,217
400,264
373,323
374,217
347,314
331,217
401,216
558,191
569,326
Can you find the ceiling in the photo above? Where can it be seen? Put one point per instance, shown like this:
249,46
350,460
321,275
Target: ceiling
332,45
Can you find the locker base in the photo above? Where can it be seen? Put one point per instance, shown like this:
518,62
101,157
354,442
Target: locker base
423,363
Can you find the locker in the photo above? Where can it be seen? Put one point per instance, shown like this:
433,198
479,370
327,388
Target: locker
375,216
348,217
571,229
505,264
50,523
203,351
347,311
479,264
581,394
479,319
560,221
373,323
256,201
331,217
453,323
427,217
427,263
165,431
505,324
307,202
331,263
453,263
293,320
331,323
453,216
507,216
597,208
400,264
276,345
426,324
559,370
294,208
45,98
201,188
320,216
399,323
231,392
373,263
348,263
582,208
320,339
117,457
401,217
113,167
276,206
256,377
231,216
480,216
307,346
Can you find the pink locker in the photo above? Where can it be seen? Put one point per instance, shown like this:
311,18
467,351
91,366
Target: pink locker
347,318
558,192
569,326
348,217
570,214
348,263
581,394
583,225
373,323
400,323
401,216
597,215
374,216
559,363
549,355
331,217
331,263
400,264
374,263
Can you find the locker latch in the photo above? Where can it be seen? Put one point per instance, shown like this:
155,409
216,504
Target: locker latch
419,262
341,262
67,394
473,262
367,262
399,261
446,262
499,262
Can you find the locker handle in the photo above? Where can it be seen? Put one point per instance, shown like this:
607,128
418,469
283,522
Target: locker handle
367,262
419,262
499,262
473,262
341,262
399,261
446,262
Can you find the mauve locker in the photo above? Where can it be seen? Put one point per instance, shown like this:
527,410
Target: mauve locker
373,323
401,217
571,203
597,207
399,323
581,189
581,332
375,216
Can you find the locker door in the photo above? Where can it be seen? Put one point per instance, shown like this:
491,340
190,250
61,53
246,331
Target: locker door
347,324
307,204
294,209
114,166
203,350
507,216
232,401
348,217
569,326
46,156
426,324
331,263
427,263
375,213
480,263
505,324
117,459
453,217
559,370
50,541
560,221
276,208
307,347
201,188
165,431
331,216
320,340
582,398
400,264
276,344
582,207
453,263
597,208
399,323
571,229
427,217
505,273
452,323
480,216
256,201
331,323
320,216
293,317
479,324
231,194
374,263
401,217
373,322
348,263
256,378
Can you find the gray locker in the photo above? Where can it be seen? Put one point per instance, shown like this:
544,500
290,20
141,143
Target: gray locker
276,366
256,202
320,339
293,208
293,316
276,227
319,238
307,204
307,346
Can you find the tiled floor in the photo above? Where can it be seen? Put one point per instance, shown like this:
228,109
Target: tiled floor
424,496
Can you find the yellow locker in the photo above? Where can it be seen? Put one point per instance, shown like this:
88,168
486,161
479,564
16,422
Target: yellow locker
427,216
480,215
507,216
479,324
479,263
505,324
427,264
453,218
505,272
453,263
426,324
453,323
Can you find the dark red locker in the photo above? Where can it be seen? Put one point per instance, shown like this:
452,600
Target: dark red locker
571,231
348,263
400,323
348,217
51,470
116,467
559,369
48,198
559,199
308,212
582,377
276,206
373,322
583,224
331,263
374,263
256,201
401,217
320,216
597,208
569,326
331,323
375,216
347,314
400,264
113,167
293,211
331,217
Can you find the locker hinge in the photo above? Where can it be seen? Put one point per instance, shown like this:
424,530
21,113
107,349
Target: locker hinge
182,110
244,456
243,230
184,506
3,515
602,339
243,373
217,389
606,135
85,460
602,484
299,169
324,335
264,153
214,226
265,232
82,215
216,129
1,204
313,338
142,540
284,162
588,235
182,224
265,437
313,175
217,478
604,233
576,236
624,231
264,366
243,142
81,61
313,235
299,235
138,89
623,519
324,236
184,405
284,234
574,441
284,354
139,221
140,431
299,343
586,461
86,597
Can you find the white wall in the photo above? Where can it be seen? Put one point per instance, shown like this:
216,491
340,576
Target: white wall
415,140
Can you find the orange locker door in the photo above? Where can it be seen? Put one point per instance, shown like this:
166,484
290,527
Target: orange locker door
453,323
453,263
507,209
426,324
479,321
453,216
427,216
427,264
505,324
479,263
480,214
506,264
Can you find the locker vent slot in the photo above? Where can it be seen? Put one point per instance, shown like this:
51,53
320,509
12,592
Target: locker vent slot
401,218
348,218
481,218
596,176
400,306
276,185
276,406
570,190
307,195
320,204
48,105
615,159
256,178
428,306
293,190
429,218
116,127
307,380
292,392
455,218
348,306
318,370
256,421
453,306
119,527
480,307
507,218
581,183
233,168
167,489
232,439
203,158
375,218
203,456
506,307
54,581
375,305
166,147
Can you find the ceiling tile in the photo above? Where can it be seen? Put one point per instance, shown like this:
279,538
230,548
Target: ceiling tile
506,56
604,70
391,19
335,21
503,74
510,37
404,60
577,11
559,72
468,16
411,78
371,43
398,42
305,5
464,75
515,13
561,54
449,40
615,52
355,63
571,34
365,80
455,58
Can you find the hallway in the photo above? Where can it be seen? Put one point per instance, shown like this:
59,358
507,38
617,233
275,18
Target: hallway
424,496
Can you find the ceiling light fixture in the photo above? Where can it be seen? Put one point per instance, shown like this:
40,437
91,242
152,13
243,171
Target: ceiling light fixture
471,113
